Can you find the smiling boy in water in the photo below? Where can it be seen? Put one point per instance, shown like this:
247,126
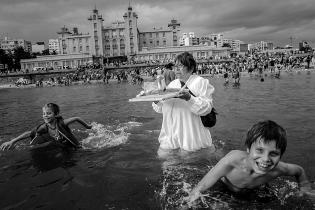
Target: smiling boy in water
54,129
240,170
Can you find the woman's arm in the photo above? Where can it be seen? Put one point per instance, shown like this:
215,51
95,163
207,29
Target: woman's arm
79,120
9,144
157,106
201,104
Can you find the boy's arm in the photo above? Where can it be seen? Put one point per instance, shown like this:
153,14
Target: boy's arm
221,169
79,120
299,173
9,144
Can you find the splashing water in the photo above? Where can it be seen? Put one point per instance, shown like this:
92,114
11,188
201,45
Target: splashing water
107,136
179,178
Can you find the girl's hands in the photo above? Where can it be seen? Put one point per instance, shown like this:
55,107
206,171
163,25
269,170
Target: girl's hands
6,145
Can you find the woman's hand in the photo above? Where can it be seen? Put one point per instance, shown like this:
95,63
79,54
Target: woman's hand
185,95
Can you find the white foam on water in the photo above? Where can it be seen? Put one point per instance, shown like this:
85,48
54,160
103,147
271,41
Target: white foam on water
177,182
101,136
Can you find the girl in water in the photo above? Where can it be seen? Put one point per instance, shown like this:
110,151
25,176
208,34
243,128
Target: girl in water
54,129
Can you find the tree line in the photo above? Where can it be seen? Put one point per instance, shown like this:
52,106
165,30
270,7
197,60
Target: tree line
11,59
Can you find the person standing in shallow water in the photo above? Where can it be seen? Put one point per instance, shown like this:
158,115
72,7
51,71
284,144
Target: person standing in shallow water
182,127
54,129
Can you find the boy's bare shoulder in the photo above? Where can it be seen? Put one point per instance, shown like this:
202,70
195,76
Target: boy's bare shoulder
235,156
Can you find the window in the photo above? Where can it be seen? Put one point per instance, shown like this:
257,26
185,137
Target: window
157,35
80,48
164,42
157,42
163,34
95,25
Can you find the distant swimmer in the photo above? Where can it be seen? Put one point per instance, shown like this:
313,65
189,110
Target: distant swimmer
54,130
226,78
236,76
277,71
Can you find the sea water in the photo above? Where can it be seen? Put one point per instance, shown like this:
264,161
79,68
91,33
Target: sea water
118,166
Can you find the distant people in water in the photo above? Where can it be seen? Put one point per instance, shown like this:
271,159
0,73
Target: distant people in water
236,77
54,130
239,170
226,78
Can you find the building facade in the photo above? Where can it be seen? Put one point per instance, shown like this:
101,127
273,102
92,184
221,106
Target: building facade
38,47
169,53
53,46
9,44
121,38
189,39
56,61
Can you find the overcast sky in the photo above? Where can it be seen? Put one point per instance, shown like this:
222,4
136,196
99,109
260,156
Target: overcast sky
246,20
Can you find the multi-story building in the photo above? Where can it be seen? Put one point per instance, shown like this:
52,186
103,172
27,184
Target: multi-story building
9,44
53,46
121,38
217,39
73,42
38,47
189,39
235,44
261,46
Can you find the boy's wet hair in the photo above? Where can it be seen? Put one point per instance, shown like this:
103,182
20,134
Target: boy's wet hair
268,131
54,108
187,60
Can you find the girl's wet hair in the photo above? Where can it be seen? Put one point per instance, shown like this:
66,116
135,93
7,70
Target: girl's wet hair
268,131
54,108
187,60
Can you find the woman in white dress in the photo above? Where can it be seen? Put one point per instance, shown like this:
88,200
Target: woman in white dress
182,127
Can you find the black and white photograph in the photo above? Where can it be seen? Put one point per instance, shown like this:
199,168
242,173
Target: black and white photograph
178,104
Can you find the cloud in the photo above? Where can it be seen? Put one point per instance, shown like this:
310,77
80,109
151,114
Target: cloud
246,20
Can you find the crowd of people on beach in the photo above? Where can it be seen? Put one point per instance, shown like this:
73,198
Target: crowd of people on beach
229,68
